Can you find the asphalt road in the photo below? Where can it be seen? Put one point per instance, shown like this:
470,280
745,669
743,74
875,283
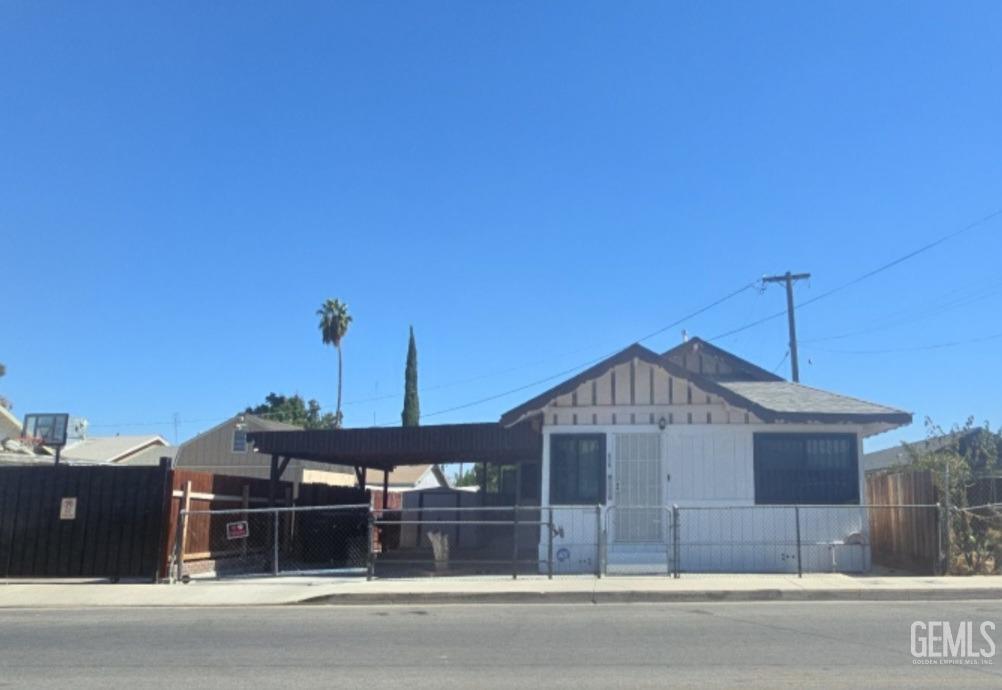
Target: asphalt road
768,645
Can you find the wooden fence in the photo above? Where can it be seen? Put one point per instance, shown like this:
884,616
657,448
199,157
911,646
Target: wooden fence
901,537
201,491
72,521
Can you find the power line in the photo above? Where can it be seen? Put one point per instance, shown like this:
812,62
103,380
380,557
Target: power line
590,362
882,324
776,368
917,349
537,382
869,274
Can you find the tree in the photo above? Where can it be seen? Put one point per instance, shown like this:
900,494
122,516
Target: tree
475,477
411,416
334,322
4,401
293,410
958,459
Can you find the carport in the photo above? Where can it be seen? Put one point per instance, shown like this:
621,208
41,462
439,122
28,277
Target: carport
488,523
386,448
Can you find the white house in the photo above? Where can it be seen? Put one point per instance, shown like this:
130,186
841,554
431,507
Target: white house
735,447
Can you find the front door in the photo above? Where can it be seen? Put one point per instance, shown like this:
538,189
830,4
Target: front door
638,512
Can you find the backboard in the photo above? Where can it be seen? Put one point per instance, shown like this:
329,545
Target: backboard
50,428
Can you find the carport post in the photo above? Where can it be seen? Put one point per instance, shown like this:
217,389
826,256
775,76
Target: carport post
800,569
549,543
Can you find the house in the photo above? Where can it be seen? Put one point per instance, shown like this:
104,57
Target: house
901,455
693,456
409,478
79,449
110,449
225,449
703,429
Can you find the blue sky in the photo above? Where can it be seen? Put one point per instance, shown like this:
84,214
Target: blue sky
531,185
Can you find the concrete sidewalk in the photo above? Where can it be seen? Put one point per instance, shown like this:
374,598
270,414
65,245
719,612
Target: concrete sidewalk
485,589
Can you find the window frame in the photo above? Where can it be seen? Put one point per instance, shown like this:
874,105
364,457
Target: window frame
233,442
801,482
576,438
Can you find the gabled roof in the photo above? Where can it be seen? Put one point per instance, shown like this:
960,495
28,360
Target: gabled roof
110,448
150,456
634,351
793,402
406,476
771,398
698,345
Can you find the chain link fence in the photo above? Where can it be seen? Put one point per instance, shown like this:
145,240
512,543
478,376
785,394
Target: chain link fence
583,540
461,541
259,541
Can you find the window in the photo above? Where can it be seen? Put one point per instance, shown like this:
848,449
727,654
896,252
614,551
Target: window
577,469
239,440
819,469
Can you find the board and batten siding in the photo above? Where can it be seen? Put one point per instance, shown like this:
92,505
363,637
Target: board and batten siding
640,393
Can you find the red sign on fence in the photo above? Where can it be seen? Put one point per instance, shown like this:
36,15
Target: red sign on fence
237,530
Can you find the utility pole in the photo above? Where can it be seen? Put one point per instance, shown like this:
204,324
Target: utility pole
790,279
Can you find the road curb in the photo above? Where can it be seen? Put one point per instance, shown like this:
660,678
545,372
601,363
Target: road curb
648,597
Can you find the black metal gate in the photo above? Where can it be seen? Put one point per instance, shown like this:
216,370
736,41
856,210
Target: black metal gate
71,521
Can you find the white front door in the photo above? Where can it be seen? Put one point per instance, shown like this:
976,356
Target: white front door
638,512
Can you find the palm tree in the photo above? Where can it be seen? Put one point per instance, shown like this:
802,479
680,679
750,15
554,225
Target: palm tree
334,322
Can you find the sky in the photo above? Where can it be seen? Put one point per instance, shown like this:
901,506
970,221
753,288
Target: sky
530,185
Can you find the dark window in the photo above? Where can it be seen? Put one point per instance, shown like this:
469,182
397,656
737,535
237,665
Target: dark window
820,469
239,440
577,469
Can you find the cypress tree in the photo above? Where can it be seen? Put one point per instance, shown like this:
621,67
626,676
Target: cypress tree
411,416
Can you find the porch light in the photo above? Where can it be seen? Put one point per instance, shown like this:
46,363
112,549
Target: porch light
662,423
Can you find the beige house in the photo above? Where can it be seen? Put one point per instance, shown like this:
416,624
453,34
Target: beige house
10,425
224,449
408,478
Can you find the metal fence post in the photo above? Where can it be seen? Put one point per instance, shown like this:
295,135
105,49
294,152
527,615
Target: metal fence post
599,540
371,555
796,515
514,544
274,555
549,544
676,552
943,540
947,509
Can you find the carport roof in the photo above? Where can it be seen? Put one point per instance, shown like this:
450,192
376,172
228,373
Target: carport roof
384,448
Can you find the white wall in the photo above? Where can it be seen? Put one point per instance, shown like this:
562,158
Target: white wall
711,466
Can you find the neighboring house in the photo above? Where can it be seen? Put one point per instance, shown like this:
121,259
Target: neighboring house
898,456
699,427
225,449
97,450
409,478
10,425
110,449
150,456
